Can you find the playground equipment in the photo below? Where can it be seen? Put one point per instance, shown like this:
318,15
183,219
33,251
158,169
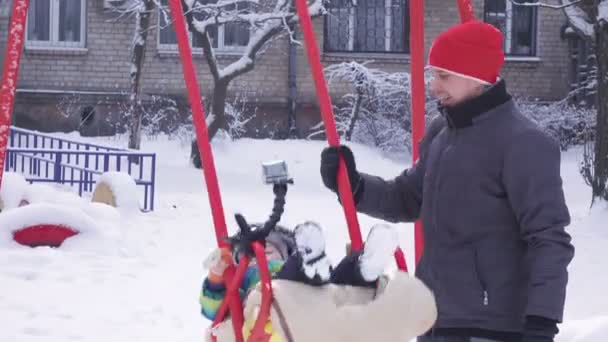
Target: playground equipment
234,275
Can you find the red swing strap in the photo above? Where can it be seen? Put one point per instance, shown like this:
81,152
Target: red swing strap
10,74
232,291
233,277
198,116
418,96
331,132
344,186
466,12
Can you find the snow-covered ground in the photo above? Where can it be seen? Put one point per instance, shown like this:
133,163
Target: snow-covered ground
140,278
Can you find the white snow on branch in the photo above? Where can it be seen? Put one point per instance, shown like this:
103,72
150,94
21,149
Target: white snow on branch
264,26
579,21
235,67
602,11
542,4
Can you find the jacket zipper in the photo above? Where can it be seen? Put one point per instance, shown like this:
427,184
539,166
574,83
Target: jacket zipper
484,289
436,188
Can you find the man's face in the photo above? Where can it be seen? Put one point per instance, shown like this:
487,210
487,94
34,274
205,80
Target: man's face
451,89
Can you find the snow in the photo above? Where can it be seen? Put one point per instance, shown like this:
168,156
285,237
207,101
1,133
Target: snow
12,191
237,66
580,21
124,189
43,213
602,9
139,277
263,25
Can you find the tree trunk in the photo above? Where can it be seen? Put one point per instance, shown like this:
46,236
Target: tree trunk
601,137
218,108
354,116
142,26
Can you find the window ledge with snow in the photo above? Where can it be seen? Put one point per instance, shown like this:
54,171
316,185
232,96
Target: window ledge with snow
52,50
523,59
170,52
364,56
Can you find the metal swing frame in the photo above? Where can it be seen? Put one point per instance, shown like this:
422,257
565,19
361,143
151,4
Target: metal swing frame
234,274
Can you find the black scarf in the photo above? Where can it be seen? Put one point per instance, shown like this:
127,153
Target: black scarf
463,114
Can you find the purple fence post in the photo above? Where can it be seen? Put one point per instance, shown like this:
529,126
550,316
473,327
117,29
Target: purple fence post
106,163
57,175
153,181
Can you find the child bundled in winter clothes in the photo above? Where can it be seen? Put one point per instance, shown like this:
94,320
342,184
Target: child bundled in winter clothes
312,301
345,298
300,256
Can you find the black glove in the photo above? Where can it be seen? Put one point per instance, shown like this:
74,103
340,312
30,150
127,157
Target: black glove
539,329
330,160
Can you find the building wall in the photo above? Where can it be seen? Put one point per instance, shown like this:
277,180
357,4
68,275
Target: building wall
544,77
103,69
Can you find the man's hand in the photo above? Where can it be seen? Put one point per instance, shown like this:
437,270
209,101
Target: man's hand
539,329
330,161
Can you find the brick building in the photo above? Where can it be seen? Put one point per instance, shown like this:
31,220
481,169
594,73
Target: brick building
77,57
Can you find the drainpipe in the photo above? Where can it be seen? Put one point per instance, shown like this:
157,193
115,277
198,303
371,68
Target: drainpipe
292,132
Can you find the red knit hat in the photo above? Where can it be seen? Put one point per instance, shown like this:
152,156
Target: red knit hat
472,50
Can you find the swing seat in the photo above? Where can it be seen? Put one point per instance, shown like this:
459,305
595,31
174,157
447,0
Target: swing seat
234,276
398,311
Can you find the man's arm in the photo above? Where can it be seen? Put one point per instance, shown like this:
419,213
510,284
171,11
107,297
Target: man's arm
399,199
534,188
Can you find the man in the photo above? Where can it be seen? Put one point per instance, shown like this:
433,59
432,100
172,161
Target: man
489,192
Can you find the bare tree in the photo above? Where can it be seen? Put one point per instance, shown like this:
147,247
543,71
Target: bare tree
589,19
376,108
265,20
142,10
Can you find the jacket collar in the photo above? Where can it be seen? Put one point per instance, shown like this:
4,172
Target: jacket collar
465,114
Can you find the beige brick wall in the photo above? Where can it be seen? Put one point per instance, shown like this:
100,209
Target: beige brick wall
104,66
544,78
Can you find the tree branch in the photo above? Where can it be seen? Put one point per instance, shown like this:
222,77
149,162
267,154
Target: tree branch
563,5
266,26
580,22
208,50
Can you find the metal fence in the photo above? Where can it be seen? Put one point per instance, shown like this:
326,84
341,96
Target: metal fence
44,158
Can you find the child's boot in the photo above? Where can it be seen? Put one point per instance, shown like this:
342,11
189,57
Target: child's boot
310,244
380,246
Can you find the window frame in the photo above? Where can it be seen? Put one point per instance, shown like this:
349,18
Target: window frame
388,32
53,43
509,19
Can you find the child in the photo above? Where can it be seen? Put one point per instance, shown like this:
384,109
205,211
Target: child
312,301
280,244
300,256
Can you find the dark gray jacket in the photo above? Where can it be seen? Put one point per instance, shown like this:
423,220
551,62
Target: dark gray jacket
489,191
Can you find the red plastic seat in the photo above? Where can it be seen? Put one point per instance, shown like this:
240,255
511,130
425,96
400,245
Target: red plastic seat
49,235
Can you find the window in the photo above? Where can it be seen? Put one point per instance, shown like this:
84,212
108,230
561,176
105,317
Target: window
56,24
224,38
367,26
517,23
